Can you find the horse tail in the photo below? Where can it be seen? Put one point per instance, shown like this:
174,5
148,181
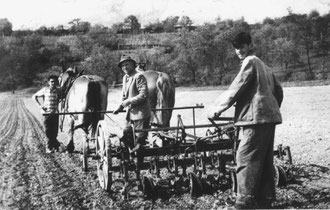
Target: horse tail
93,102
94,95
165,96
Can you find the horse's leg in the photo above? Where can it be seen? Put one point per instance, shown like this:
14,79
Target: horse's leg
94,127
86,138
70,145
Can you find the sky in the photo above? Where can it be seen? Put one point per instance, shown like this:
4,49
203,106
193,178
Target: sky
32,14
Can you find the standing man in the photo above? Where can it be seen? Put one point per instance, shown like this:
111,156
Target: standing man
51,97
136,99
258,96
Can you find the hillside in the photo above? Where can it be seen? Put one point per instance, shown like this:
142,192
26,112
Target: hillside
201,57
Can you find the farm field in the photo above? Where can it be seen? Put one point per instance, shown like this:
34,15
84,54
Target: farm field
32,179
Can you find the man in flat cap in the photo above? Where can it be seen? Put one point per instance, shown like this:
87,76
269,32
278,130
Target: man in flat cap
136,99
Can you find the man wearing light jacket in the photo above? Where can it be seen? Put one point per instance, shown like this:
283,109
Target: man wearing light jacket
258,97
136,99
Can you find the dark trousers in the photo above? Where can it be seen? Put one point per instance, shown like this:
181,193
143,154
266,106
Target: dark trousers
141,124
140,137
51,130
255,172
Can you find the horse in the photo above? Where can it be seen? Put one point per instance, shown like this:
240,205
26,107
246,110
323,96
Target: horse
162,96
83,93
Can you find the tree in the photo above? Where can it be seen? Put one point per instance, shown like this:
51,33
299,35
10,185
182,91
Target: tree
131,24
6,28
184,58
103,62
118,28
83,27
60,31
43,31
154,27
169,23
303,35
321,37
269,21
185,22
79,27
62,55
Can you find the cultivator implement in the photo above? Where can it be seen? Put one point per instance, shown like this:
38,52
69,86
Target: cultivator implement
175,159
192,163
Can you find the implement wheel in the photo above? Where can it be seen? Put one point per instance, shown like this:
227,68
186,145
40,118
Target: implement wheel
104,162
233,180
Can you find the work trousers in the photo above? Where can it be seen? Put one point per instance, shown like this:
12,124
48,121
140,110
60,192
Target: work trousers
255,171
51,130
140,137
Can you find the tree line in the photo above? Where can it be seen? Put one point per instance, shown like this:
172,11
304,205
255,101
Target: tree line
295,44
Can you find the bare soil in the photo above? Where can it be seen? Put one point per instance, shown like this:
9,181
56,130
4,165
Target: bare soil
32,179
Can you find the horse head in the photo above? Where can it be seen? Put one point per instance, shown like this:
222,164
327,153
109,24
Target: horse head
67,77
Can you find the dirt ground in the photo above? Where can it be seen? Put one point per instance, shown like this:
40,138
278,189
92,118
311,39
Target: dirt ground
32,179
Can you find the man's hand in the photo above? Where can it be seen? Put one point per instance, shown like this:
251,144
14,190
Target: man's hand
119,109
214,115
43,107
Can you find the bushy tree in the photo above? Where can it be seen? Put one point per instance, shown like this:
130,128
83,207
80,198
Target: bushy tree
79,27
156,27
132,25
6,28
169,23
103,62
303,35
118,28
185,21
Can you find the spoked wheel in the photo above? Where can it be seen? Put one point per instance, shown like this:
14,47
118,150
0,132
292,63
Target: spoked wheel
233,180
103,151
85,155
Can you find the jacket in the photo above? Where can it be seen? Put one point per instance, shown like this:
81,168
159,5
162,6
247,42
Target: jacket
135,90
257,93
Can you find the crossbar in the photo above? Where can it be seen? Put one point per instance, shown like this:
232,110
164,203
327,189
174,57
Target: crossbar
111,111
183,107
180,127
69,113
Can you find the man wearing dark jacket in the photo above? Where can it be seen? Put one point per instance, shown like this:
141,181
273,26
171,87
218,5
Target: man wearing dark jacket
258,97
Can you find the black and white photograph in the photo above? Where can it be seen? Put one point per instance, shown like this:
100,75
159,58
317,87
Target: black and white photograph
164,104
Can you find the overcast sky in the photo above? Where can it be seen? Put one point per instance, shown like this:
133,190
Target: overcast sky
32,14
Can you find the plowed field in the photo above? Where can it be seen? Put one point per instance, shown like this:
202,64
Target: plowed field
32,179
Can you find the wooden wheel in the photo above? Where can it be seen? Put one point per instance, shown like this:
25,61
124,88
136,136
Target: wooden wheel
85,155
104,162
233,180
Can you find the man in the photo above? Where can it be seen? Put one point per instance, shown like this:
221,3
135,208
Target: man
258,96
136,99
50,96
